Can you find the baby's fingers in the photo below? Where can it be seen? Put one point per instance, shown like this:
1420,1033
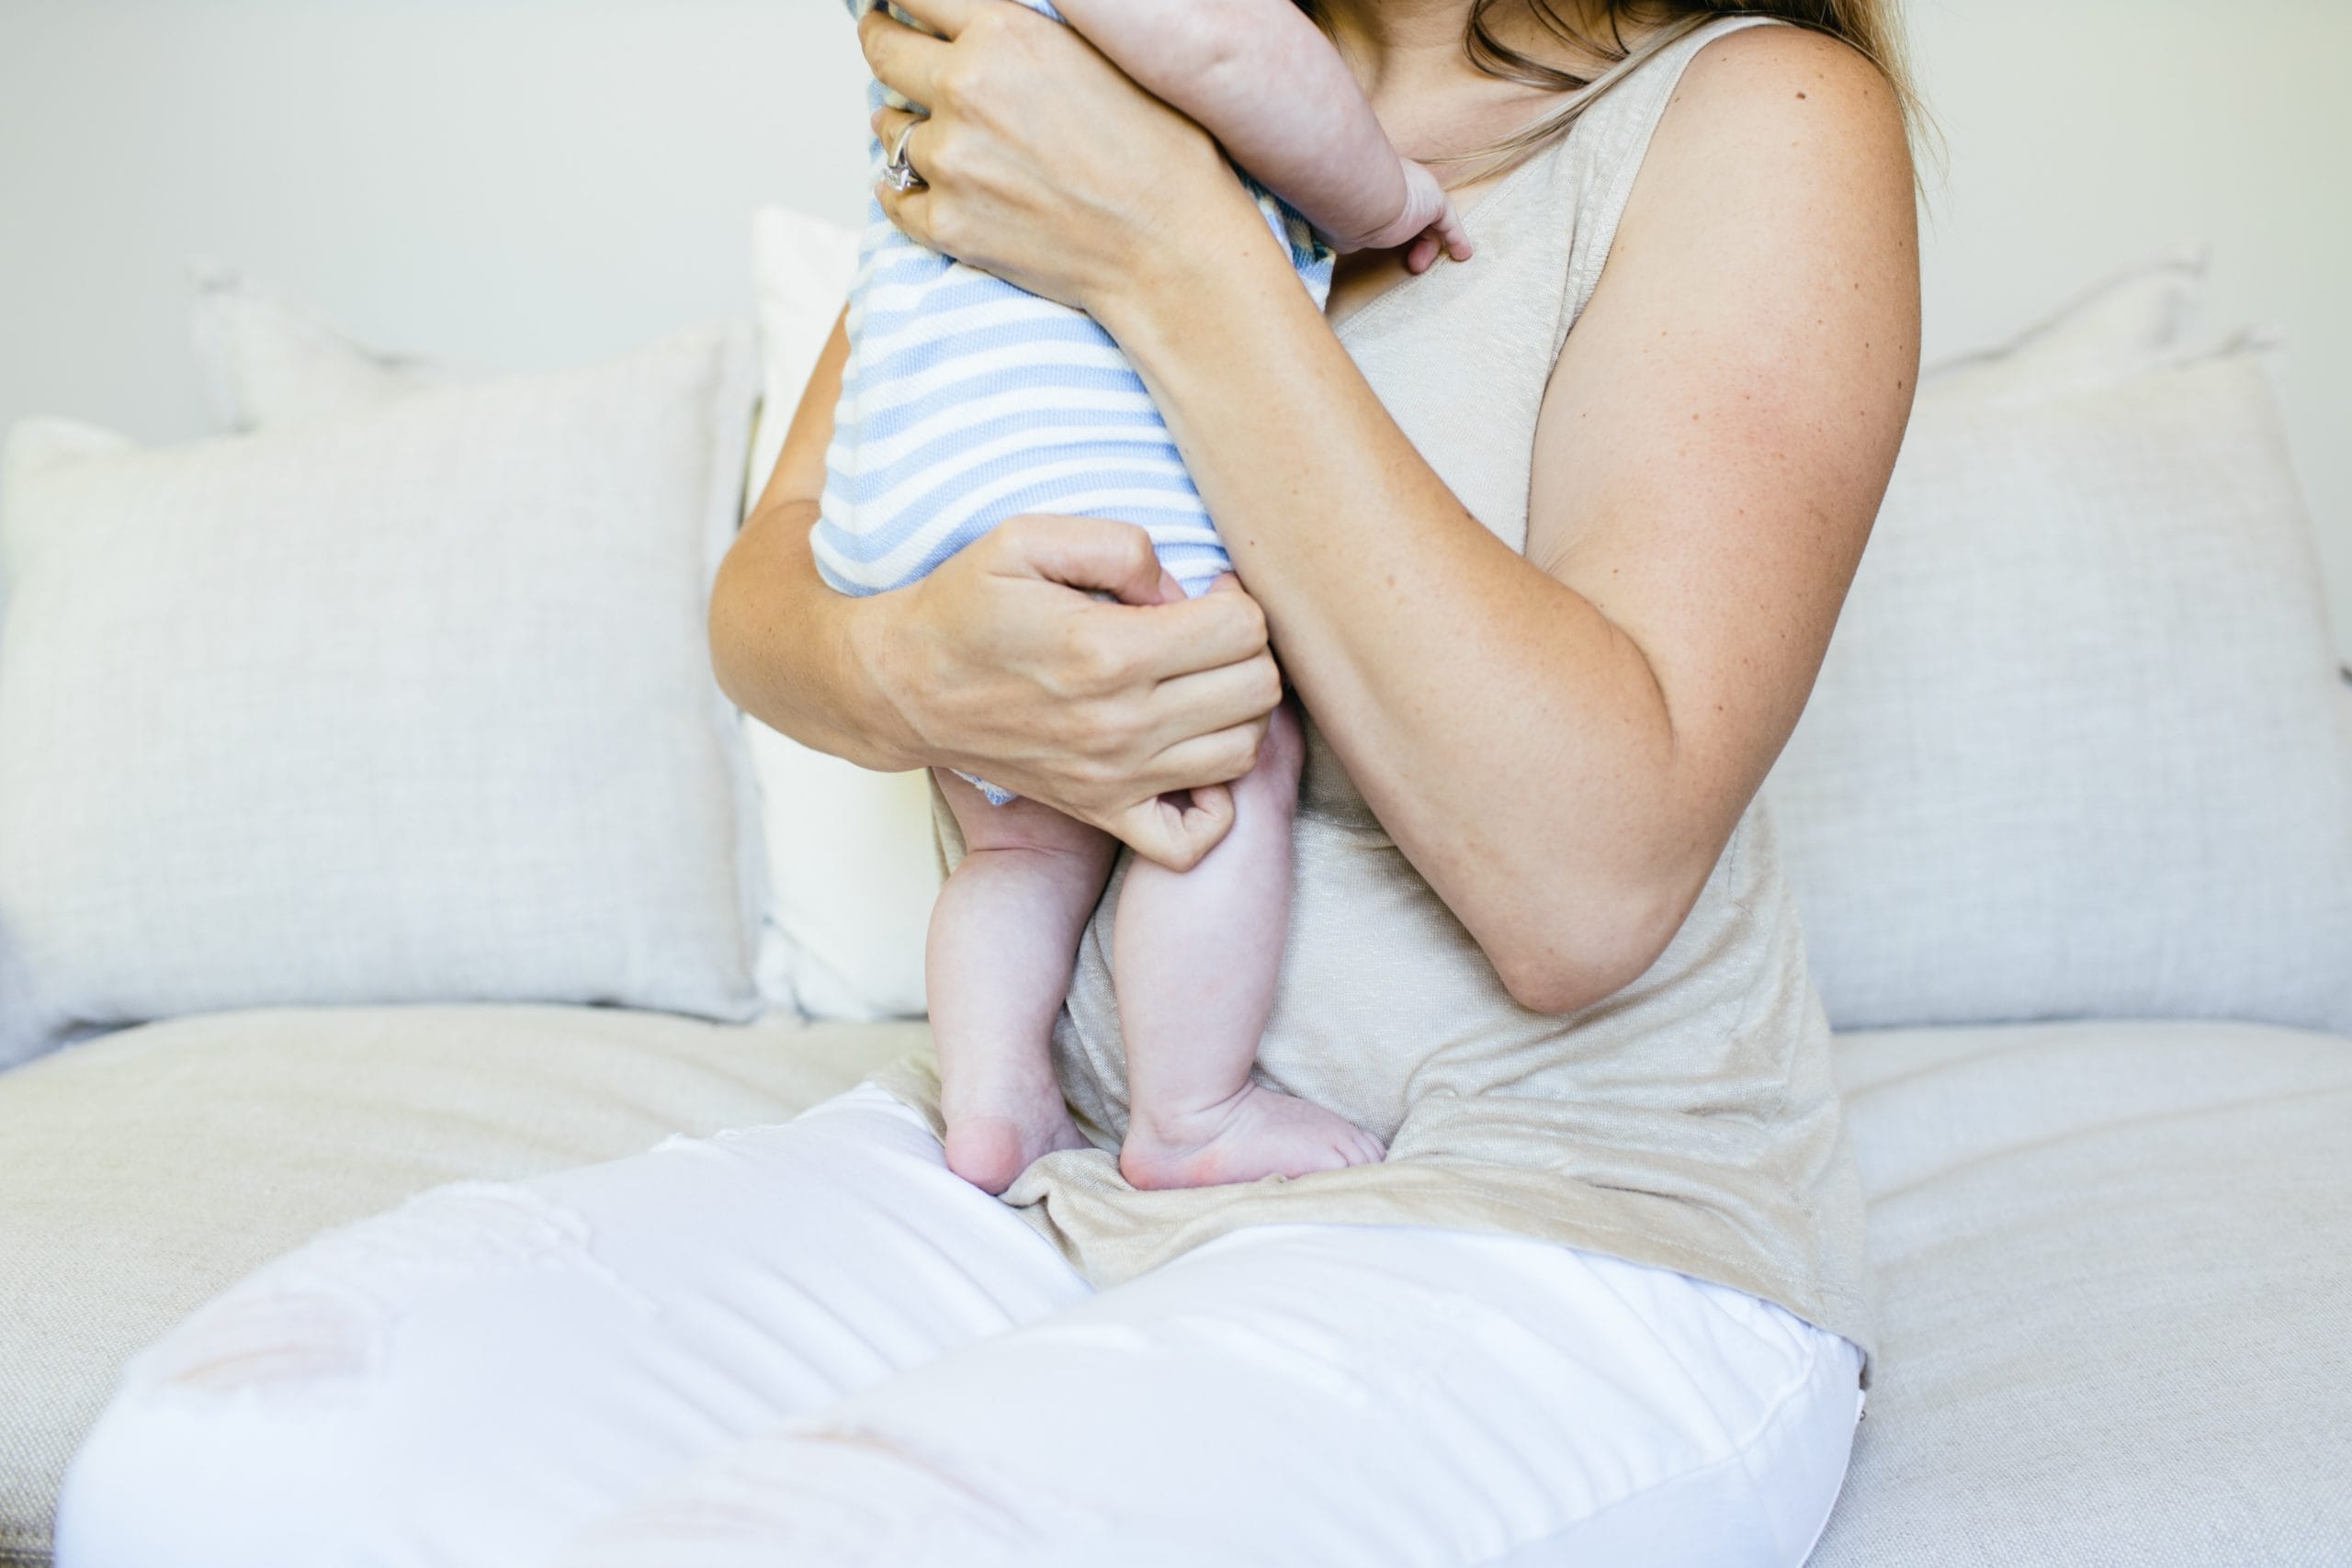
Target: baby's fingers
1453,233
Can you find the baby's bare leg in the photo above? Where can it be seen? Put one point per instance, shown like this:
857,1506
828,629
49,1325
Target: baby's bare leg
1003,936
1195,957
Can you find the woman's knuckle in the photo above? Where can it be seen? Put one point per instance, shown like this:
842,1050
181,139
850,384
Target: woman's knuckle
949,223
961,83
1240,619
941,231
1125,730
940,152
1253,619
1102,661
1091,767
1082,666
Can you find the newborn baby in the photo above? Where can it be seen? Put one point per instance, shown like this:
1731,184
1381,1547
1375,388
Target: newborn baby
967,402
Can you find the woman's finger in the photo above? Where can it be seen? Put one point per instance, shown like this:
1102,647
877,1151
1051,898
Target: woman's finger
945,18
1206,760
909,210
1177,833
1212,701
891,125
1208,633
1094,555
906,60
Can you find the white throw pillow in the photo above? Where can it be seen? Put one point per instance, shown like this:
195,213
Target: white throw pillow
851,868
2080,747
407,707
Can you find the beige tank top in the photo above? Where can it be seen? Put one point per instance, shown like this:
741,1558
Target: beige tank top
1690,1121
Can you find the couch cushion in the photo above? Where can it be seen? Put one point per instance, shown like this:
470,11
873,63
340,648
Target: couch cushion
146,1171
851,867
2079,748
414,706
2113,1282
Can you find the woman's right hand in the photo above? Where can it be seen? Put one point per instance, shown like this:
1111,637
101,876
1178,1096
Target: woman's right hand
1055,658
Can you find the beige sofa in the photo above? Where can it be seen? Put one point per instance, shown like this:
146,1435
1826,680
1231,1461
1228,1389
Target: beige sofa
2113,1256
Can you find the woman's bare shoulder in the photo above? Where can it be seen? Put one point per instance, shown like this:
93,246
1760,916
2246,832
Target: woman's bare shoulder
1790,107
1782,167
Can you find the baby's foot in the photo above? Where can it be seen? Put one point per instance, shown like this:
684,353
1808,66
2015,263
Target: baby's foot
989,1144
1259,1132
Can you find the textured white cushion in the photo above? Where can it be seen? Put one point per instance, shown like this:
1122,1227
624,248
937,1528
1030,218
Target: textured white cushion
850,865
2112,1287
2080,747
407,707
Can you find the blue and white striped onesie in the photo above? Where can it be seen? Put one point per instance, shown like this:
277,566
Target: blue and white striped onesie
967,402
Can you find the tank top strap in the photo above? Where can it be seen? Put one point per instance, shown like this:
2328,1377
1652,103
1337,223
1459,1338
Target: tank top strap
1603,155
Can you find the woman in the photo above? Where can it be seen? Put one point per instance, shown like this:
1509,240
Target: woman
1553,602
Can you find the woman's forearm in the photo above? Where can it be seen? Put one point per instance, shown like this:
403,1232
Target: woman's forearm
1510,736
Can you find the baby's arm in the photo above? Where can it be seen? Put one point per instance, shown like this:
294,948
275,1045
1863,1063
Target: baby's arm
1265,81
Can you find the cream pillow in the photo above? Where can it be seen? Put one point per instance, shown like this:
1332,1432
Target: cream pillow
852,870
2079,747
849,859
405,706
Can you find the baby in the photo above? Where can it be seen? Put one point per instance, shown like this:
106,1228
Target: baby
967,402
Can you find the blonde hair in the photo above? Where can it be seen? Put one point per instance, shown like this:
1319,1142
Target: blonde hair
1871,28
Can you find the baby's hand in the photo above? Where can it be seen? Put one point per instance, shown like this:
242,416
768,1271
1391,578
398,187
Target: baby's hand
1428,223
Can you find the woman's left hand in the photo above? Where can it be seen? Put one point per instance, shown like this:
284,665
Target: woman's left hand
1043,163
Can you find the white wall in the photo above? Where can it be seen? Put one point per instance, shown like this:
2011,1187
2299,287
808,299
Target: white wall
530,182
2085,133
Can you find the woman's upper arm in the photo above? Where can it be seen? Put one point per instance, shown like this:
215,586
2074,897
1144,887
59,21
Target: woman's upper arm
1718,435
800,473
769,571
